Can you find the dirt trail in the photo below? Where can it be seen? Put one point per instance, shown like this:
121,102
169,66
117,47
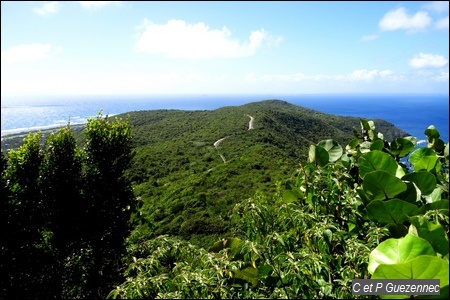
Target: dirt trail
216,143
250,124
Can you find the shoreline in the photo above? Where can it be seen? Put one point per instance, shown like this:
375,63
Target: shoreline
45,129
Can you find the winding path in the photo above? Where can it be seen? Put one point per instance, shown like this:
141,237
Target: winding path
216,143
250,124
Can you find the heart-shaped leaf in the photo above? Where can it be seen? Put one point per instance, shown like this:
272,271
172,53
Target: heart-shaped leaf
376,161
421,267
425,181
394,251
333,148
391,211
380,185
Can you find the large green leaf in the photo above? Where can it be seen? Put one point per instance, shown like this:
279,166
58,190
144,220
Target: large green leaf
394,251
376,161
425,159
432,232
417,155
377,145
392,211
248,274
333,148
425,181
428,163
420,267
380,185
318,155
401,147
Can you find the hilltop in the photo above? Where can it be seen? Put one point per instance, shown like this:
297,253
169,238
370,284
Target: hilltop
191,167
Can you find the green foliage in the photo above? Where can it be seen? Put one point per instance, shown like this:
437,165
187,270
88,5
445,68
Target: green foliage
420,267
176,164
341,215
23,244
400,250
347,212
65,212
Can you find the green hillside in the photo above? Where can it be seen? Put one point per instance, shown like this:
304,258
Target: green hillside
187,185
263,200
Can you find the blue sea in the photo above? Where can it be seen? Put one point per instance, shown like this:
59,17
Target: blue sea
412,113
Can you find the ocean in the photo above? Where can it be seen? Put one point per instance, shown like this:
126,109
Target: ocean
411,113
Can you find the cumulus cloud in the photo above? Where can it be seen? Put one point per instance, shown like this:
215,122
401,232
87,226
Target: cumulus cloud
399,19
96,4
423,60
442,23
371,37
47,8
28,52
178,39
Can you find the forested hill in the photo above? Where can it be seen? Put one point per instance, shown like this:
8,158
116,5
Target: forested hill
190,167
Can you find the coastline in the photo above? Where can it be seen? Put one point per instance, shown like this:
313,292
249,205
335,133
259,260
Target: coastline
12,140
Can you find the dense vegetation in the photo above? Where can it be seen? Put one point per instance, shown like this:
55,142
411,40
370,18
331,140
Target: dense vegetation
185,187
342,214
65,213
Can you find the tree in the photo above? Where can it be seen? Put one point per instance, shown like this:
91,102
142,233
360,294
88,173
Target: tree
23,251
65,212
108,199
61,189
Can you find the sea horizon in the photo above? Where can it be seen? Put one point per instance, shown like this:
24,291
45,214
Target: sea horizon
28,113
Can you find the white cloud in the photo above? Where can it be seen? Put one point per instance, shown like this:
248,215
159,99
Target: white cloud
96,4
386,73
423,60
357,75
47,9
370,37
442,23
437,6
178,39
29,52
363,74
399,19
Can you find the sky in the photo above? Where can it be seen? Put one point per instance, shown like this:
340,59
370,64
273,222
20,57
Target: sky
236,47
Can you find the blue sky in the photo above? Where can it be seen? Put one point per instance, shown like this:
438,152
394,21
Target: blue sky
114,47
